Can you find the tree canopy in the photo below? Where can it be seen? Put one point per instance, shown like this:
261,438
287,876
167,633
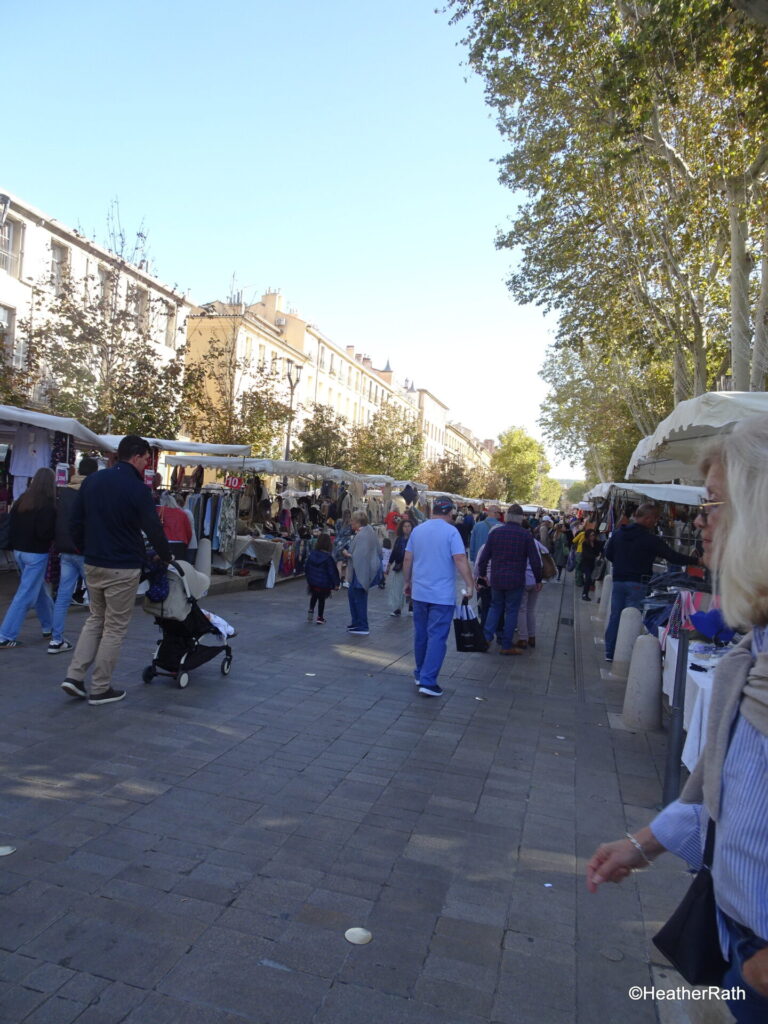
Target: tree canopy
391,443
521,463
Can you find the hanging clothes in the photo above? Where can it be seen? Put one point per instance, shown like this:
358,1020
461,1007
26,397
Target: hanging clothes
227,525
31,451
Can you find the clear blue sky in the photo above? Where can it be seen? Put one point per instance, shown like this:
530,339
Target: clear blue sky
339,151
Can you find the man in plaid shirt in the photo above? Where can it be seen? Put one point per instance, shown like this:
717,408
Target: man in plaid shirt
509,548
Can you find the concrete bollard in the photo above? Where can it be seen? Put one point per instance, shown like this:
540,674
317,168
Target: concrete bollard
605,598
630,627
203,560
642,698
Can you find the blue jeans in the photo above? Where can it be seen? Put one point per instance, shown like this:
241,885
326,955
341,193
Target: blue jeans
358,604
431,626
31,592
72,568
506,602
753,1009
623,595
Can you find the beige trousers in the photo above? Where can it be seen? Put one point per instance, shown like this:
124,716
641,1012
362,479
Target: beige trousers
112,596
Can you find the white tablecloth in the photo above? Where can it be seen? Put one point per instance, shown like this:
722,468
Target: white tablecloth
698,688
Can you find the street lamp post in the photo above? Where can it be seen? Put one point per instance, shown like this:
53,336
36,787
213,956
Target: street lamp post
293,375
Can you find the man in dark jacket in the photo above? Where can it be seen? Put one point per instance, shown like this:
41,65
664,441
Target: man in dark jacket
113,507
509,549
632,549
71,559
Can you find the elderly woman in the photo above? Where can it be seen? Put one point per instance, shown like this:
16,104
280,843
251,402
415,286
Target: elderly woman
365,555
729,785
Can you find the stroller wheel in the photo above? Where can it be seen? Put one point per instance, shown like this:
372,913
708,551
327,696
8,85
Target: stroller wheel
148,674
182,680
226,665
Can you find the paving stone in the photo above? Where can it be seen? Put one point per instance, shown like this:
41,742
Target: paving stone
56,1010
48,978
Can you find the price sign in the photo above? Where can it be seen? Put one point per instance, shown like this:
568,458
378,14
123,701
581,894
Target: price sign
235,482
62,474
149,476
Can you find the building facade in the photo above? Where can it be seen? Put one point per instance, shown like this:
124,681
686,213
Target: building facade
38,254
461,442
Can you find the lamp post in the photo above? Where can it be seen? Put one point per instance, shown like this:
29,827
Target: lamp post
293,375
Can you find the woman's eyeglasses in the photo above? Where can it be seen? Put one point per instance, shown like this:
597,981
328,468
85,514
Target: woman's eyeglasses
708,507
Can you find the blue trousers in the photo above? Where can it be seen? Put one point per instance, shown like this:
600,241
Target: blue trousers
623,595
72,568
754,1008
507,603
31,592
431,626
358,604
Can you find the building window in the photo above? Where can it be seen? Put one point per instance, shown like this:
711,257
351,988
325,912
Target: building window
262,356
10,247
330,365
322,358
59,260
104,286
170,325
7,318
248,347
137,302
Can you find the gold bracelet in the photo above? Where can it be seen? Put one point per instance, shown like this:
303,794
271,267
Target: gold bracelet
638,846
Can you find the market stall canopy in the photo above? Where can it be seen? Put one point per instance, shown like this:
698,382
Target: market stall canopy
677,494
193,447
11,417
673,450
278,467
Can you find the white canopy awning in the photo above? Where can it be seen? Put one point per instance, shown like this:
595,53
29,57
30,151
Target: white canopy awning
193,447
11,417
673,450
678,494
278,467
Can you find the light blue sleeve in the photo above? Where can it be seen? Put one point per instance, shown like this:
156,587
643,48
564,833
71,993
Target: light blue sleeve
678,829
457,544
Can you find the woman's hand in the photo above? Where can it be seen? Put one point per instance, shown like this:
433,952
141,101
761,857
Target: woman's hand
755,971
612,862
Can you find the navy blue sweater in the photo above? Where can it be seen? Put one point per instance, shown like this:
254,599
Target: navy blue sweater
113,506
320,571
633,549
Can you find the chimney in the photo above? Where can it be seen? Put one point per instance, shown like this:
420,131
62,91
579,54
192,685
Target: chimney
367,363
351,351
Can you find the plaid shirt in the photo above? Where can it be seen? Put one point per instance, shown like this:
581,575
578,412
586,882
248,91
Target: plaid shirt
510,548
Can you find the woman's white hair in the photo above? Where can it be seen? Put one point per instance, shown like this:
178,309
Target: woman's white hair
740,546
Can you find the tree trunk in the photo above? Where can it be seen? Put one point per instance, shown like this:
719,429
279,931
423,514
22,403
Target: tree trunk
679,375
760,348
740,270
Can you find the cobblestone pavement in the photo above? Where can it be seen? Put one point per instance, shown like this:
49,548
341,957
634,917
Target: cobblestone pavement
195,856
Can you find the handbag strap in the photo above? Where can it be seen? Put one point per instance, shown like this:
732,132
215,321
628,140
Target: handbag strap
709,845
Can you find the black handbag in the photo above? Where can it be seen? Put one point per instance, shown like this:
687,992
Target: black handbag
470,638
689,939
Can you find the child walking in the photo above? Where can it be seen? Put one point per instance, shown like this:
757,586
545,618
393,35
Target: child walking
322,577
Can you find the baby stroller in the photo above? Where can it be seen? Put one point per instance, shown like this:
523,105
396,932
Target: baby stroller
183,624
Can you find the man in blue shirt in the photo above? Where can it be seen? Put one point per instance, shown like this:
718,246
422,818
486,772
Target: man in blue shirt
434,553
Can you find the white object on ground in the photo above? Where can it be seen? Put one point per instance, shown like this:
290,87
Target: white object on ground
642,698
358,936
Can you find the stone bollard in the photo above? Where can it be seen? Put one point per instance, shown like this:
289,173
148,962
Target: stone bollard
642,697
203,560
605,598
630,627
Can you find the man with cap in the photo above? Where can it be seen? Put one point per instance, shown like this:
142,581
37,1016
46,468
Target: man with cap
434,553
480,533
510,549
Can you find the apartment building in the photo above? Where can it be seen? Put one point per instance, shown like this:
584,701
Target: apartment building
37,254
460,441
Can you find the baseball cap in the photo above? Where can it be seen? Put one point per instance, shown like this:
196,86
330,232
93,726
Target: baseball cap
442,506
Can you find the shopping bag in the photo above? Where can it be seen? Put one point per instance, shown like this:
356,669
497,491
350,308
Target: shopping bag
548,567
570,565
469,634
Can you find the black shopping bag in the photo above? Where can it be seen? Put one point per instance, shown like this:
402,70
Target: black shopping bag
469,634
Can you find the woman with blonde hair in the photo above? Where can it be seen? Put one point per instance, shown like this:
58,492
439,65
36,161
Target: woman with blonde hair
727,792
32,528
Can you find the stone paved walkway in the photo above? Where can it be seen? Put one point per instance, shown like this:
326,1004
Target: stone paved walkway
195,856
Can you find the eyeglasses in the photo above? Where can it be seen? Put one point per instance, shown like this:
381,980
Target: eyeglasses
708,507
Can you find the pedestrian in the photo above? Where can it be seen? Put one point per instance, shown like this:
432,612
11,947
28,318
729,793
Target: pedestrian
510,548
433,554
32,526
322,577
113,507
526,617
561,548
341,543
364,554
632,549
590,550
71,560
386,554
482,529
726,790
394,571
545,532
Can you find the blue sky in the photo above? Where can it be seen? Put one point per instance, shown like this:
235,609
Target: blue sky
340,152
